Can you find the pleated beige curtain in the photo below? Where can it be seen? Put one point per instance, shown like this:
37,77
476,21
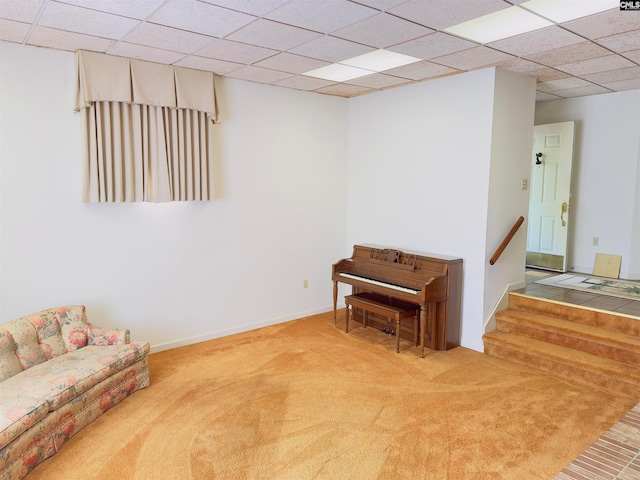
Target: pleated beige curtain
148,130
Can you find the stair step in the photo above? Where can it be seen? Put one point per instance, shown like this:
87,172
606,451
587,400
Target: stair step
573,365
618,322
611,344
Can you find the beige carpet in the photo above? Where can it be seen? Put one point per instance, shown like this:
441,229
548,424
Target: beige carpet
303,400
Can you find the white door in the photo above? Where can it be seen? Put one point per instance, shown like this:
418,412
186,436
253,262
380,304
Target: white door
549,202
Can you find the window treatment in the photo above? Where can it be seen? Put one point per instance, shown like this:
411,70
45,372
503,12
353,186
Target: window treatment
147,130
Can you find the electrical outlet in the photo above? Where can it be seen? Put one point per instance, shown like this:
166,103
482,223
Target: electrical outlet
596,241
306,284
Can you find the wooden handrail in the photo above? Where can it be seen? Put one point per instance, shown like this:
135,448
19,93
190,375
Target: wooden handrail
506,240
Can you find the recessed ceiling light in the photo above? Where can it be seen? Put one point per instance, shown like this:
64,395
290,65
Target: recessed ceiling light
380,60
362,65
504,23
562,11
338,73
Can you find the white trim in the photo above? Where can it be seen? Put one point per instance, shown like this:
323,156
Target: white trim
231,331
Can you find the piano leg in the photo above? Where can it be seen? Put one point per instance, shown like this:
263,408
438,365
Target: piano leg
335,301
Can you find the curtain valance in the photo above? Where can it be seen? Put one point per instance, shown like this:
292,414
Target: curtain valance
102,77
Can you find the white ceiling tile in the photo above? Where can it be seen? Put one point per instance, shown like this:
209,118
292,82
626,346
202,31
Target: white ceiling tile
344,90
582,91
126,8
195,16
167,38
440,14
562,84
378,81
594,65
631,84
422,70
545,97
520,65
83,20
381,4
325,16
331,49
633,55
220,67
13,31
382,31
575,53
143,52
257,74
624,74
273,35
546,74
605,24
302,82
253,7
70,41
622,42
473,58
433,45
236,52
20,10
288,62
535,42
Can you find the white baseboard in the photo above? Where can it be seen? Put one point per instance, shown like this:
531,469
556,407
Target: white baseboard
237,329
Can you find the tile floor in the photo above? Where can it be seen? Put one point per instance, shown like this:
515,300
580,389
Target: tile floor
585,299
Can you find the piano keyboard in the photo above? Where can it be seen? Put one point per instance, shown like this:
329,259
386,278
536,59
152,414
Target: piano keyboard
382,284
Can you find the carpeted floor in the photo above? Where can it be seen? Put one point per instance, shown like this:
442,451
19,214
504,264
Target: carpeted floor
303,400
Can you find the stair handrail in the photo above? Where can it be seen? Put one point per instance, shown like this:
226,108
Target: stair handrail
506,240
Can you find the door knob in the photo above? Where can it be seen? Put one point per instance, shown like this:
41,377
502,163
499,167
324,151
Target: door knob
563,210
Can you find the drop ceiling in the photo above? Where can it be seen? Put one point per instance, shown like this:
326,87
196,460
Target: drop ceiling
275,41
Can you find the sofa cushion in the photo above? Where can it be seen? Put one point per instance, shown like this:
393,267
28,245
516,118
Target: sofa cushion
64,377
9,363
73,326
107,336
49,334
28,350
18,414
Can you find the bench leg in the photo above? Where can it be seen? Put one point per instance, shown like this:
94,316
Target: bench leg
397,335
346,322
364,318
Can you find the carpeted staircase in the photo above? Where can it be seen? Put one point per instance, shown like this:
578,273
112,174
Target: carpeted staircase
592,347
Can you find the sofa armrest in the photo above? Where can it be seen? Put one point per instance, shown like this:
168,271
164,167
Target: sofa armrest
107,336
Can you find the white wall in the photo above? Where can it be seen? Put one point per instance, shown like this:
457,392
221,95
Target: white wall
512,138
606,177
179,272
420,166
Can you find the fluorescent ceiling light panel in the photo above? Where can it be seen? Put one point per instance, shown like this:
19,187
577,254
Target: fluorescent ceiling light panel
562,10
338,73
504,23
380,60
355,67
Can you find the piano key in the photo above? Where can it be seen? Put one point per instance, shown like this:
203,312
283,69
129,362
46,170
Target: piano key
382,284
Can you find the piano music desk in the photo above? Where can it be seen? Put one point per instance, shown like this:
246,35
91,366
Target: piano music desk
390,308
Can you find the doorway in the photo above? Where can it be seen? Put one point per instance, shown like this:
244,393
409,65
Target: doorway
550,197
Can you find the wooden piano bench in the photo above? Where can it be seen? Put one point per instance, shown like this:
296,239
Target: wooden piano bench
394,310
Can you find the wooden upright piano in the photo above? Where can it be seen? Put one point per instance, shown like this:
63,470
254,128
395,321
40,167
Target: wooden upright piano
432,282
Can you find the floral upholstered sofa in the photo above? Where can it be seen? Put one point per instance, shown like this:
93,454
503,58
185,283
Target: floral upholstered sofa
58,373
